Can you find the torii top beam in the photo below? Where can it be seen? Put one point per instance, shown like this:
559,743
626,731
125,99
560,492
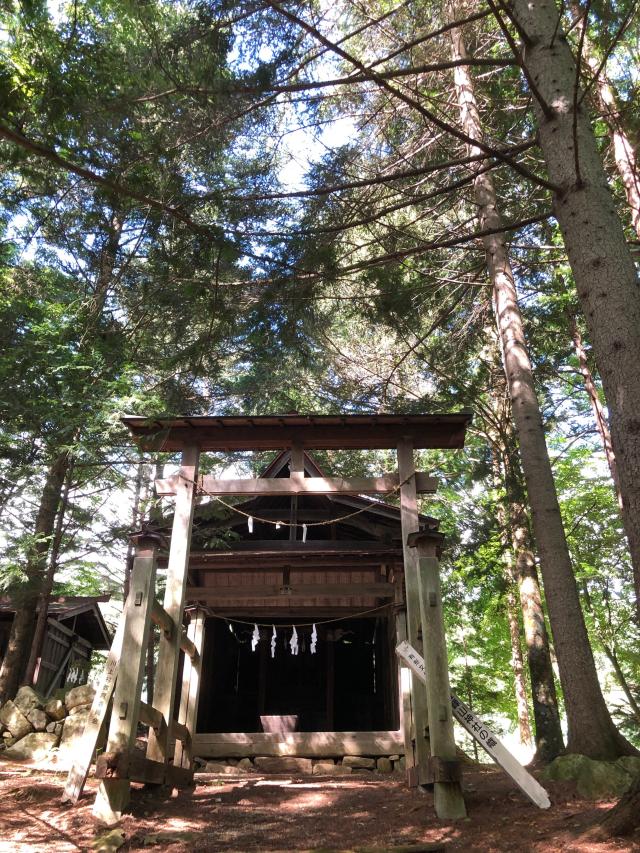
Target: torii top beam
319,432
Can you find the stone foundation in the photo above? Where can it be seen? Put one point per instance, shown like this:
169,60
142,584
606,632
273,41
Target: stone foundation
343,765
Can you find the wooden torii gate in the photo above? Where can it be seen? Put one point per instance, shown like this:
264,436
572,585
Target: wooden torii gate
427,762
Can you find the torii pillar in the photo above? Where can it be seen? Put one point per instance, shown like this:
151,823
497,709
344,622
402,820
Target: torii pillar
444,768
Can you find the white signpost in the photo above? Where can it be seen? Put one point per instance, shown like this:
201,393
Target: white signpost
487,739
83,752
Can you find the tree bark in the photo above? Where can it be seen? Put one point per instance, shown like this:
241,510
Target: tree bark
517,662
26,596
47,585
623,818
624,154
602,265
591,729
596,406
546,715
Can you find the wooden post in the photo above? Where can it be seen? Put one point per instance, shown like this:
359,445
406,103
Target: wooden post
296,466
444,768
113,794
191,674
169,650
409,525
404,682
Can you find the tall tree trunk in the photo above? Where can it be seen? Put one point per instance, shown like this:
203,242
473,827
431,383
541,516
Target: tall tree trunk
596,406
26,596
47,585
517,663
607,102
591,729
548,730
602,265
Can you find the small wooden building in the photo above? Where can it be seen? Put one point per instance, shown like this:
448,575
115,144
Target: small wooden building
343,573
75,628
307,550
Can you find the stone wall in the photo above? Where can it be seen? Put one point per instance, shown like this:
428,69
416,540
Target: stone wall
34,728
343,765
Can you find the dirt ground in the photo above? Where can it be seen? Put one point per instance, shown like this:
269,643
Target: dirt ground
299,813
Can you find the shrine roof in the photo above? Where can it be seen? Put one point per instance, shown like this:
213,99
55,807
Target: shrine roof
321,432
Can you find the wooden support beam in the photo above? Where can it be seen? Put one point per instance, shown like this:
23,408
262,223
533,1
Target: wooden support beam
188,647
190,693
448,799
151,717
86,744
307,590
298,484
309,744
169,650
113,794
126,766
409,524
161,618
180,732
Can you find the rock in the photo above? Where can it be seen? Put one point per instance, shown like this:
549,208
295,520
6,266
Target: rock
564,768
82,695
245,764
55,710
322,768
108,841
328,768
7,735
9,741
79,709
384,765
630,763
27,699
71,729
214,767
284,764
224,769
401,765
34,747
15,721
394,758
38,719
359,762
51,727
58,728
599,780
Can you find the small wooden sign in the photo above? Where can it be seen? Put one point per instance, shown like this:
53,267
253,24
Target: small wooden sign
481,732
86,745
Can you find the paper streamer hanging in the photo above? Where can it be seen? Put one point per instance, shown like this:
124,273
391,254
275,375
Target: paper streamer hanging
314,640
293,642
250,524
255,638
304,532
273,642
278,525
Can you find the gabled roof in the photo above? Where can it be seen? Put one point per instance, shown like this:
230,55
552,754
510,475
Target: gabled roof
84,609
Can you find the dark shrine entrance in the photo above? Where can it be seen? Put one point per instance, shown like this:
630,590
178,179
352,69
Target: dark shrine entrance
347,685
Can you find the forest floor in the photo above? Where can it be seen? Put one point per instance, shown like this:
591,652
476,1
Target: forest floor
258,813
